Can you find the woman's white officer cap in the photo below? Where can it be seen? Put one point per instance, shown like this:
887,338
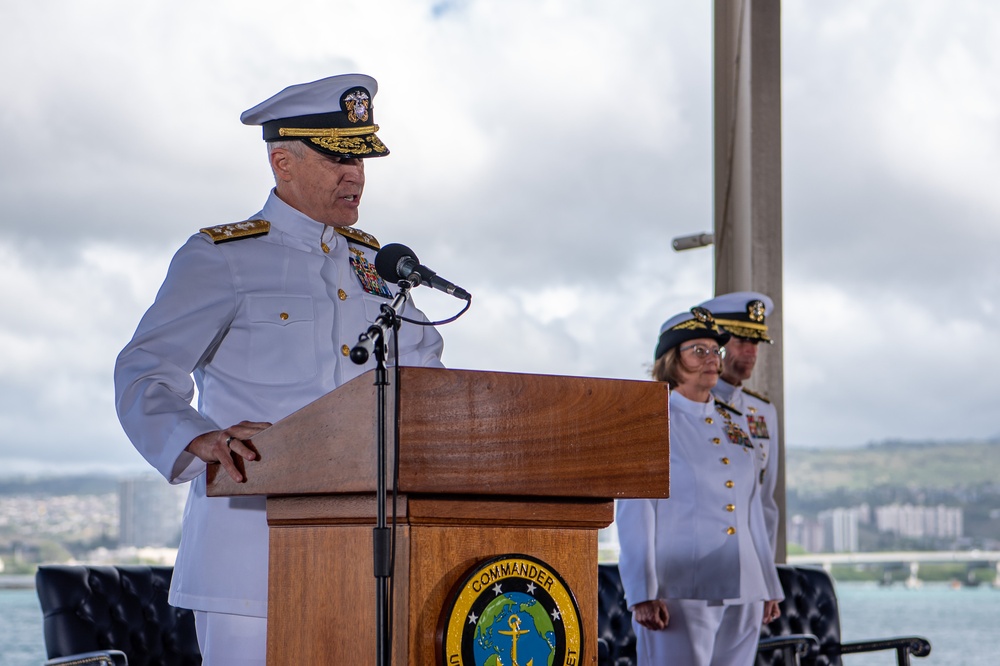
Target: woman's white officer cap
691,325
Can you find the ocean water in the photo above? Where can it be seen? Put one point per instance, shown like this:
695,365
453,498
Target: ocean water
961,624
21,641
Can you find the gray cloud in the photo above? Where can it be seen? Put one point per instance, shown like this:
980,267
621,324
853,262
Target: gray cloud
544,164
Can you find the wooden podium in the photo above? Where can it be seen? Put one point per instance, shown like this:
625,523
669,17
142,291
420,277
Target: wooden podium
490,463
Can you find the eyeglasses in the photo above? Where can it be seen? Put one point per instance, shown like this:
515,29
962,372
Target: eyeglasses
703,352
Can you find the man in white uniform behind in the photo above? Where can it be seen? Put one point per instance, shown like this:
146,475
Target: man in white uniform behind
743,314
259,315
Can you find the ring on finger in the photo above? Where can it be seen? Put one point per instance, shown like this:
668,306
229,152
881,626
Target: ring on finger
229,439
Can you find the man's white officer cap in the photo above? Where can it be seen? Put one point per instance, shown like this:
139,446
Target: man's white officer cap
691,325
334,116
742,313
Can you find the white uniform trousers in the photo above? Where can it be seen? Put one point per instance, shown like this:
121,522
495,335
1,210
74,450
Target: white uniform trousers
702,635
231,640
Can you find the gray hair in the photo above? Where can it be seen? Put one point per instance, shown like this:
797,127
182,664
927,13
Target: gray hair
294,146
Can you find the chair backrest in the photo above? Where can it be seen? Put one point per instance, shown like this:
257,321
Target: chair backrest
90,608
810,607
616,640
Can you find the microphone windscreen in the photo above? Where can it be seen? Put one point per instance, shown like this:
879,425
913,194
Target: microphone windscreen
387,261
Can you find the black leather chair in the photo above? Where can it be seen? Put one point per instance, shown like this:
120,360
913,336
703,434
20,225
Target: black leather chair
616,644
615,638
808,631
114,615
810,607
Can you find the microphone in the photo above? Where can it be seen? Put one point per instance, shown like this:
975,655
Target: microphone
365,348
395,262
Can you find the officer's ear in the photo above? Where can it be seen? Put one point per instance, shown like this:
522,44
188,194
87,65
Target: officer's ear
282,163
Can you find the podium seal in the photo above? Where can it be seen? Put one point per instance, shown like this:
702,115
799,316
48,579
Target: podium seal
511,610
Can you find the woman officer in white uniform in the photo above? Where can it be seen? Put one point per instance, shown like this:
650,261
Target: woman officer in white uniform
698,568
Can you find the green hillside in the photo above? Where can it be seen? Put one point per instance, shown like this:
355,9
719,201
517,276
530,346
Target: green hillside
927,465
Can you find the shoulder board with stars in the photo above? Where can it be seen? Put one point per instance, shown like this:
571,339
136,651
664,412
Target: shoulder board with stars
759,396
359,237
726,405
237,230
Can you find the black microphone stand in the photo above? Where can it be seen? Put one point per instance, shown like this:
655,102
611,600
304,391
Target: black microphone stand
373,341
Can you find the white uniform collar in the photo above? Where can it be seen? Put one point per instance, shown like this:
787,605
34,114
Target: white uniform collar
297,224
725,391
681,404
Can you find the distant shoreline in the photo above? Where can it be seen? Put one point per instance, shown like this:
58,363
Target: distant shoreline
17,582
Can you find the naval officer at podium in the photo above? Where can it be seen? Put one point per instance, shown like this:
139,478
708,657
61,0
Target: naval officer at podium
259,315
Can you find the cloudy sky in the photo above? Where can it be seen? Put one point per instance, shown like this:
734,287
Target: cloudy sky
544,153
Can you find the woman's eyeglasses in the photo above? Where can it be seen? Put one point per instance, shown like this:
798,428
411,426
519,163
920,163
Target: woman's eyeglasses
702,352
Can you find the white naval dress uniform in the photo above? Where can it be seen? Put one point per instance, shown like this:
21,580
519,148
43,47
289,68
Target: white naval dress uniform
762,426
264,325
704,550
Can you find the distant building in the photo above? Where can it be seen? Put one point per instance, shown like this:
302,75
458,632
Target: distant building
918,522
150,511
840,529
806,533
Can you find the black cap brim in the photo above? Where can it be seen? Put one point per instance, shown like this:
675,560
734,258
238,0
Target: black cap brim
676,337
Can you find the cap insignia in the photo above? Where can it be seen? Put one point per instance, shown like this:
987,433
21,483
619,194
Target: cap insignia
237,230
703,320
702,315
355,103
755,311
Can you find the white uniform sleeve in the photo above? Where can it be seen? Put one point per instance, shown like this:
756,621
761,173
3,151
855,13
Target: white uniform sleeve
425,352
153,384
636,521
772,514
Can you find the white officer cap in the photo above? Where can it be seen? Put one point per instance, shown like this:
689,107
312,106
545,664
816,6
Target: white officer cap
691,325
334,116
742,313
